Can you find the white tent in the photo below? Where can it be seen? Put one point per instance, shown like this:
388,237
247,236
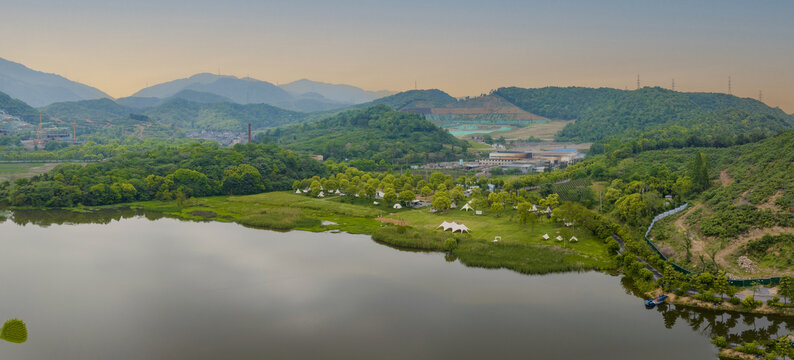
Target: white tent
467,207
573,239
297,191
459,228
375,203
453,206
321,194
453,226
534,208
477,212
545,236
397,206
559,238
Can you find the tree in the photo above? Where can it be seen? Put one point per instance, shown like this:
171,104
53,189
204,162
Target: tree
315,188
426,190
699,173
441,201
631,208
390,196
407,196
786,288
523,209
721,284
457,194
242,179
497,207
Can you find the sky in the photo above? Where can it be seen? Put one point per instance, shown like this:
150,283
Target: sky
463,47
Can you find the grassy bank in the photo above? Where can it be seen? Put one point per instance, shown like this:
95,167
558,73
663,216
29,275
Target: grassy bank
521,248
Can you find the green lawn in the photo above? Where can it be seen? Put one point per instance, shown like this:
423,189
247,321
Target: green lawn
521,248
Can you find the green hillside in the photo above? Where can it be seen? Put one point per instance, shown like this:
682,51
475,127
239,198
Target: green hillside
413,99
377,133
604,113
223,116
20,109
96,111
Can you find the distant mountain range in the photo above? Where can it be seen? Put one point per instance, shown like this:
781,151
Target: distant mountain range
346,94
37,88
41,89
302,95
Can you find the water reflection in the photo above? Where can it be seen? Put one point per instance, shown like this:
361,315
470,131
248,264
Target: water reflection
734,327
309,295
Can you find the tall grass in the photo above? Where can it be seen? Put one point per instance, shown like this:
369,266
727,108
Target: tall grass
279,219
522,258
411,238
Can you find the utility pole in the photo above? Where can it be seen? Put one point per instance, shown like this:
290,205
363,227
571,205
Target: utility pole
638,81
673,87
729,85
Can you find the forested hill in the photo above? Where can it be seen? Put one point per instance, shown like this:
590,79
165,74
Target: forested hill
603,113
378,133
221,116
413,99
19,108
201,113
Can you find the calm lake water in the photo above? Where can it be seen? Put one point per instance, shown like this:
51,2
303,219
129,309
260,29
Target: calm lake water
138,288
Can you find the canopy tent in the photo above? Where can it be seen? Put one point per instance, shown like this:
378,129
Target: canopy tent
573,239
459,228
559,238
321,194
467,207
297,191
545,236
397,206
454,227
534,208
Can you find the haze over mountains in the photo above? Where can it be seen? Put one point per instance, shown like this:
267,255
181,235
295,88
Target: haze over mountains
302,95
41,89
37,88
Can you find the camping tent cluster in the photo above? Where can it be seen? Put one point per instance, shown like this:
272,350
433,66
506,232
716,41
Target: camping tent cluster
453,226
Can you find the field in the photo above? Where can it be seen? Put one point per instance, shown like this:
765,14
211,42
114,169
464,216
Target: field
13,171
521,247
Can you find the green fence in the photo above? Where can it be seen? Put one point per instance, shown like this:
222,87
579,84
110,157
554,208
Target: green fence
740,283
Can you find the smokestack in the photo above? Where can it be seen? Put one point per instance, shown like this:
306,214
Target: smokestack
249,133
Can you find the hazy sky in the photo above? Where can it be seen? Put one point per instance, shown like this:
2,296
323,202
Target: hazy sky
462,47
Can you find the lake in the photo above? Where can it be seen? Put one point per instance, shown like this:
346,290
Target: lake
124,286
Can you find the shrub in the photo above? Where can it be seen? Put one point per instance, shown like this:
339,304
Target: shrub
450,244
735,300
753,348
719,342
751,303
15,331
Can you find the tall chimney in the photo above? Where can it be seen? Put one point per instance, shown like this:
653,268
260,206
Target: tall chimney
249,133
